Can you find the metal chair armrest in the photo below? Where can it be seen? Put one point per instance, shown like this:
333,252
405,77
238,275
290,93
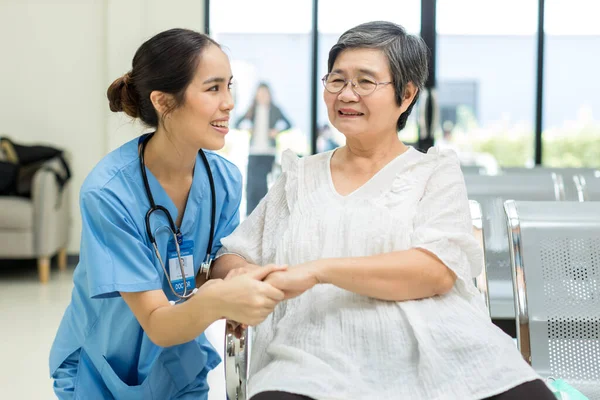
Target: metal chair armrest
581,186
481,281
236,362
518,277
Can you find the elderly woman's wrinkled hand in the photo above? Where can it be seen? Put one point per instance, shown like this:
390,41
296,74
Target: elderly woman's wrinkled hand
295,280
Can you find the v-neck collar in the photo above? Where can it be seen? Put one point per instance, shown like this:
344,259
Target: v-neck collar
194,197
384,175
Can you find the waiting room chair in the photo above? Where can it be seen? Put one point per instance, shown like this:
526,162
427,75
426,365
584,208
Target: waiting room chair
237,350
567,174
491,192
37,227
473,169
555,262
588,186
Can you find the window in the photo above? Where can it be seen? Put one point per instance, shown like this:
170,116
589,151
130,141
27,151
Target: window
486,65
268,41
571,117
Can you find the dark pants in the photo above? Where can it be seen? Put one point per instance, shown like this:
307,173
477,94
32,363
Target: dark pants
529,390
259,167
279,396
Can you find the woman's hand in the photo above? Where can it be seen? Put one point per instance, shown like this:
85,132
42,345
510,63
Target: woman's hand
245,298
296,280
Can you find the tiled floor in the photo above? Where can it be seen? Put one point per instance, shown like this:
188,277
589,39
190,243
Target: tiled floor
29,316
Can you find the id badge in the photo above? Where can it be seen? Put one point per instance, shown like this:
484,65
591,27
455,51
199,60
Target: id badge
186,249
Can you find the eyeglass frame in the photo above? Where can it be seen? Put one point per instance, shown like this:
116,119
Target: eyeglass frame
354,85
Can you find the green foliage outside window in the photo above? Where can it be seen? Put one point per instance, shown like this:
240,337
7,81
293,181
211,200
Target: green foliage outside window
514,147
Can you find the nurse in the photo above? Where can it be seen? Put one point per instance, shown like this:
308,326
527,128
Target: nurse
153,213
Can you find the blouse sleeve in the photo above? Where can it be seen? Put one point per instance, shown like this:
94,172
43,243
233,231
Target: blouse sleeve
114,253
229,218
246,240
256,237
443,223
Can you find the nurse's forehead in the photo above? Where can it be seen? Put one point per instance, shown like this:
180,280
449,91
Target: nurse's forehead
214,64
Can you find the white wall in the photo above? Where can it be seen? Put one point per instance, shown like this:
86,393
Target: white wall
57,58
129,24
52,73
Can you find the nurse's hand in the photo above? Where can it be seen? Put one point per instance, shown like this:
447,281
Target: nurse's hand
246,298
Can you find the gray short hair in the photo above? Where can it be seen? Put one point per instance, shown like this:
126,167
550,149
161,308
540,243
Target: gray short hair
407,55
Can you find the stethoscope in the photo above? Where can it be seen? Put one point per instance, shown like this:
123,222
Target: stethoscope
177,235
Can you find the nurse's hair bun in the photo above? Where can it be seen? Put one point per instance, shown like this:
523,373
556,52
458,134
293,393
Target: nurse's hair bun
122,96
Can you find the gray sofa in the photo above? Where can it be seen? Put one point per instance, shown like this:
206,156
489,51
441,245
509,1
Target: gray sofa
37,227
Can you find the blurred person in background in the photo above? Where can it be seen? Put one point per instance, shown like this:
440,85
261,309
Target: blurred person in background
266,121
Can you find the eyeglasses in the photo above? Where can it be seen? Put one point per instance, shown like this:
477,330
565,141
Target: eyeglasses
362,85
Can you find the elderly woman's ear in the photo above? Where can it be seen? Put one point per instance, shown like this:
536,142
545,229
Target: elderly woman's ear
410,91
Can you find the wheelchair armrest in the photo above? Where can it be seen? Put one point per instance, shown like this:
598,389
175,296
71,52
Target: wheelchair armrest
236,363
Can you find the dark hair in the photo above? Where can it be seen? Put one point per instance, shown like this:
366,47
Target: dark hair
407,55
167,63
252,110
263,85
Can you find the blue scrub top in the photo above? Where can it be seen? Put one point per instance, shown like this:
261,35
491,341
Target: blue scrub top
116,357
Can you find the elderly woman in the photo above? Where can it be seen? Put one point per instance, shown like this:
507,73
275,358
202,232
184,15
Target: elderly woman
381,256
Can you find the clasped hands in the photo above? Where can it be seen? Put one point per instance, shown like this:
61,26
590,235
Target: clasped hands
259,289
292,281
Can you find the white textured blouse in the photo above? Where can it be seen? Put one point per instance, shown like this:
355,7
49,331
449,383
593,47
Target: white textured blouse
330,343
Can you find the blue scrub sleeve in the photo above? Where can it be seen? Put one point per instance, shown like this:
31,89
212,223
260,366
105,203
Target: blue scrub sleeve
229,218
113,251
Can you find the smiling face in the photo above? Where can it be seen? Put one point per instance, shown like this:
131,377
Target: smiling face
375,114
202,121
